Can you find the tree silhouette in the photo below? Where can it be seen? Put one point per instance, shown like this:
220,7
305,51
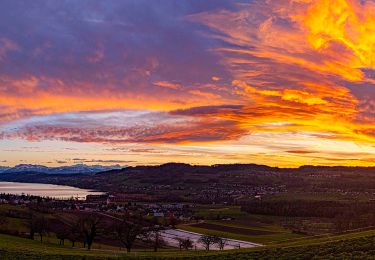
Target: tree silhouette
128,232
88,225
154,237
221,242
38,224
208,240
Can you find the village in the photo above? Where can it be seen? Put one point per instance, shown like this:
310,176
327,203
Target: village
158,218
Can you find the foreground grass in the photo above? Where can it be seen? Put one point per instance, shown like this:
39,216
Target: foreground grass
358,245
12,246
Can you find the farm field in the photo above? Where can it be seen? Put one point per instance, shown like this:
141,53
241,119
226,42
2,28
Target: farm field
231,229
240,225
261,239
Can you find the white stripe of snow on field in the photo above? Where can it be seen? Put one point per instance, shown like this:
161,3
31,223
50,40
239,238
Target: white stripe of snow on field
170,235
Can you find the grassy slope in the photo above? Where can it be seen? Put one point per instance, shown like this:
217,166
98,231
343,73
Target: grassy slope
359,243
26,247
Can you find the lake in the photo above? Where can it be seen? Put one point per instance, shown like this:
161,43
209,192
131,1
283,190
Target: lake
45,190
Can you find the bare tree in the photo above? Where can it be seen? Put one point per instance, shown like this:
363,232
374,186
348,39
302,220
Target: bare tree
187,244
62,233
128,232
60,228
184,243
154,237
38,224
208,240
221,242
180,242
74,233
88,225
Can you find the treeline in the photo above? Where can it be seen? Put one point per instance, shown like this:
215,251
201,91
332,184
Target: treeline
308,208
85,228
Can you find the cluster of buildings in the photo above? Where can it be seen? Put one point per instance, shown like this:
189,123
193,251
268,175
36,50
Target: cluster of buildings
107,203
139,202
21,199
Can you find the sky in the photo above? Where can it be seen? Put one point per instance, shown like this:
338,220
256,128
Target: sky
277,82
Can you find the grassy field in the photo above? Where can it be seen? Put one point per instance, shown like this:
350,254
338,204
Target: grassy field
348,246
10,245
242,226
262,239
280,243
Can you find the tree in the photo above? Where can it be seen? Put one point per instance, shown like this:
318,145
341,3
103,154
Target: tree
60,228
88,225
187,244
62,232
208,240
180,242
184,243
154,237
74,233
38,224
221,242
128,232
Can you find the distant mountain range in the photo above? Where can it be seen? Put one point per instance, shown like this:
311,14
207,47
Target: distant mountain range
73,169
3,168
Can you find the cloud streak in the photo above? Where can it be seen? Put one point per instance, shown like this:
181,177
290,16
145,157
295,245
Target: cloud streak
299,61
126,127
195,73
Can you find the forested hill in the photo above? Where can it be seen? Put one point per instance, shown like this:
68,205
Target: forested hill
183,176
166,174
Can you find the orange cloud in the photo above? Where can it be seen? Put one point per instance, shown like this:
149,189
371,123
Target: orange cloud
292,61
25,97
166,84
341,22
296,78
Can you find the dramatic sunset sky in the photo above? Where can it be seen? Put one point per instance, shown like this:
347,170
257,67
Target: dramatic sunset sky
276,82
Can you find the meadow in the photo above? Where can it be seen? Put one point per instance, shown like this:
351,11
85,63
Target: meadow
348,246
240,225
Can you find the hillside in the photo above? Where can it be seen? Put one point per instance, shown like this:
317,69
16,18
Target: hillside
226,180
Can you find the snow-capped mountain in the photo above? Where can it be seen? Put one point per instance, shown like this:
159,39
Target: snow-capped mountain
77,168
3,168
83,168
27,168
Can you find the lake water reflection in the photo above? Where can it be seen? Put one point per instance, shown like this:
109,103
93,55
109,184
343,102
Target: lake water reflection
45,190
